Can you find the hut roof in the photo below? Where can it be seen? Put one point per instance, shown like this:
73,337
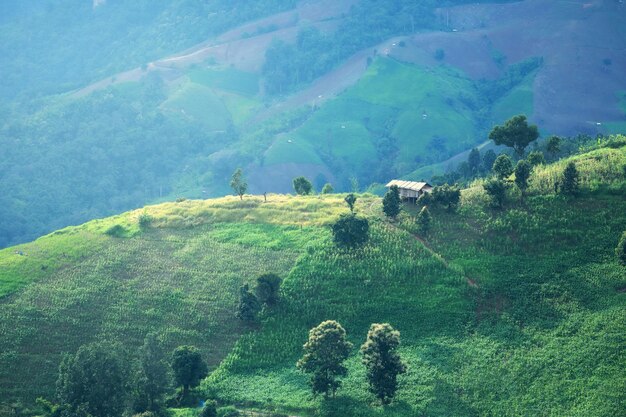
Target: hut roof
408,185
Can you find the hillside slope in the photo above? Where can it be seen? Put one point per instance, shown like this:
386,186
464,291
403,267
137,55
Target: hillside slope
502,313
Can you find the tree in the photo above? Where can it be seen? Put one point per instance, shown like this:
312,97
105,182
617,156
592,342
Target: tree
496,189
473,161
516,134
238,183
328,188
391,202
382,361
189,368
489,158
447,196
209,409
350,201
152,380
92,382
267,287
535,158
620,250
302,186
424,219
324,354
522,174
503,167
553,145
248,306
569,183
350,231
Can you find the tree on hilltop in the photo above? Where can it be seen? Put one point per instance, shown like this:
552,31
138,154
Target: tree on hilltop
553,145
569,183
324,354
328,188
522,174
515,133
238,183
302,186
350,231
350,201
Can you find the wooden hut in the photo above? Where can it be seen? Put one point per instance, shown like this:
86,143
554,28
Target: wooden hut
410,190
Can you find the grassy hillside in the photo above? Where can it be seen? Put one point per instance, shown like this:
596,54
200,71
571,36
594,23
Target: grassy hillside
502,313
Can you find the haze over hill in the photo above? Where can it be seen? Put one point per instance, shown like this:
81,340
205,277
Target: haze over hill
400,88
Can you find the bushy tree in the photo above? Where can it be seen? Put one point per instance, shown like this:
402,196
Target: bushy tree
350,201
515,133
152,379
328,188
267,288
93,382
238,183
382,361
535,158
503,167
302,186
489,158
496,189
324,354
391,202
569,183
553,145
350,231
248,306
473,160
424,219
209,409
189,368
447,196
522,174
620,250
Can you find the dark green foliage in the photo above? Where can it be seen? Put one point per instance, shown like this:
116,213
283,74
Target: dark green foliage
144,220
350,201
391,202
302,186
474,160
324,354
209,409
447,196
569,182
267,288
350,231
522,174
489,158
503,167
382,361
248,306
496,189
152,380
513,76
424,219
425,199
328,188
93,381
535,158
116,230
238,183
228,411
515,133
553,145
620,250
189,368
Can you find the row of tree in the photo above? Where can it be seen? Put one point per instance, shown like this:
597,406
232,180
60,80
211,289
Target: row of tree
328,348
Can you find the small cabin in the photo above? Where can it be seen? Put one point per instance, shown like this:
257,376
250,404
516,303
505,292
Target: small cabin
410,190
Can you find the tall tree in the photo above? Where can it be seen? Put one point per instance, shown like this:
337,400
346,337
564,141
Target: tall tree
473,161
248,306
267,287
350,201
553,145
515,133
569,183
489,158
382,361
324,354
350,231
238,183
302,186
93,382
424,219
535,158
391,202
496,189
503,167
522,174
189,368
152,379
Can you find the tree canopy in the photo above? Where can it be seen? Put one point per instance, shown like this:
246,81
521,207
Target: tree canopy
350,231
302,186
503,167
515,133
238,183
189,368
391,202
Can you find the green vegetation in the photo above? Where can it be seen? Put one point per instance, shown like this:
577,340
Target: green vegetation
515,133
189,369
302,186
238,183
350,231
391,202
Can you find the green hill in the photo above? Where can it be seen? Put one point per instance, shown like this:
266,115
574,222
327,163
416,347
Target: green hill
502,313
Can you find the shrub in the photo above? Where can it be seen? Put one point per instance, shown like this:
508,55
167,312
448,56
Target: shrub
497,192
569,184
328,188
503,167
620,250
209,409
145,220
116,230
228,411
350,231
423,220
